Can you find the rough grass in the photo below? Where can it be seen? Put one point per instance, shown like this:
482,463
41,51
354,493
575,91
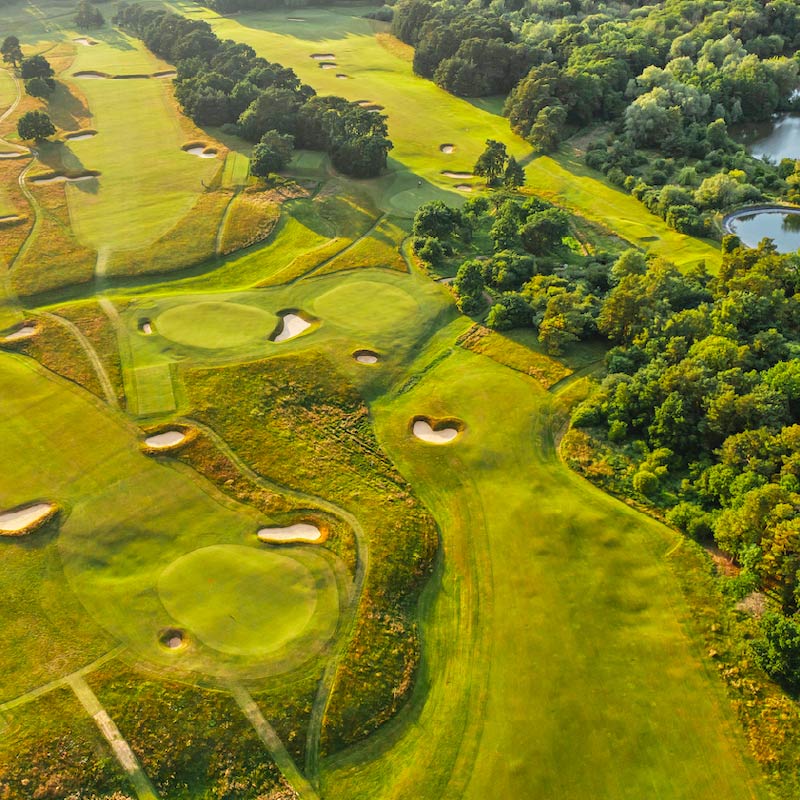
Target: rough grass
52,749
505,350
380,249
314,435
101,333
192,241
190,742
56,348
252,217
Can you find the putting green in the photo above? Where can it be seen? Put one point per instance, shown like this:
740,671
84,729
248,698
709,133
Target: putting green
239,600
215,325
354,306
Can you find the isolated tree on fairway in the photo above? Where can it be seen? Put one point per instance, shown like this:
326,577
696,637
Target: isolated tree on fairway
11,50
37,67
514,176
491,161
35,125
88,16
272,154
38,87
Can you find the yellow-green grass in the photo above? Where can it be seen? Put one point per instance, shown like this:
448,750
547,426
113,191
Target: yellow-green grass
250,218
147,183
377,73
379,248
556,664
203,590
8,89
127,518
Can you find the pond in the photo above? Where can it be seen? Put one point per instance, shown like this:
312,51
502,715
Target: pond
774,140
782,225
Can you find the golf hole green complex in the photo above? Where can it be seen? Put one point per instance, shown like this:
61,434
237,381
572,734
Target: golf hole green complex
248,602
212,325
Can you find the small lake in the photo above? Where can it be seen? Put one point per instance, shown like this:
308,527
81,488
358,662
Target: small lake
780,225
777,139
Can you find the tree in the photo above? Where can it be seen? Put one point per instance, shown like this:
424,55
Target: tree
514,176
11,50
544,230
436,219
36,67
491,162
38,87
468,285
272,154
779,651
35,125
87,16
547,128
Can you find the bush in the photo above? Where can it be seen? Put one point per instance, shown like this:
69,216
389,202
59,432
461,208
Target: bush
778,652
644,482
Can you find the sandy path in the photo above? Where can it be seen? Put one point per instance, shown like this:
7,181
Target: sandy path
273,743
122,751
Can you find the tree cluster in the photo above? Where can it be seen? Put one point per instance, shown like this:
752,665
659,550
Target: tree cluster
702,407
87,17
225,83
495,163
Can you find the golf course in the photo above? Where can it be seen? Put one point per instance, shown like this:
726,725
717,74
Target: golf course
272,524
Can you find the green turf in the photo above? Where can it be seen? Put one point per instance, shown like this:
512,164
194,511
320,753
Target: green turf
243,601
214,325
153,390
8,90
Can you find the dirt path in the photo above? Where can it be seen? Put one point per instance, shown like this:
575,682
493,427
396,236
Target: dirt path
122,751
102,375
273,743
322,697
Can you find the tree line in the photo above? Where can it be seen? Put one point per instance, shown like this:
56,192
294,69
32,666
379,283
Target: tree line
224,83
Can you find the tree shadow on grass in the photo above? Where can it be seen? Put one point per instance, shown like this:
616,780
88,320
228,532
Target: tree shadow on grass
66,108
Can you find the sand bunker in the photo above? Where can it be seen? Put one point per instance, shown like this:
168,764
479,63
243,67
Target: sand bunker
14,155
25,332
457,175
80,136
447,148
323,56
167,73
369,106
146,327
42,180
200,150
172,638
341,76
301,532
327,65
10,219
295,19
91,74
291,325
464,187
365,357
84,41
14,522
436,431
163,441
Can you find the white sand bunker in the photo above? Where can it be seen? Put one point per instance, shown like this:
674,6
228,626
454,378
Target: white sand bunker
146,327
365,357
434,432
291,325
79,136
295,19
464,187
8,219
43,180
323,56
341,76
25,332
14,155
13,522
457,175
84,41
447,148
172,638
90,74
167,73
327,65
301,532
163,441
200,150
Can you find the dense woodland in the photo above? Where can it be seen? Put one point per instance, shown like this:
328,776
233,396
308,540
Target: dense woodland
222,83
668,80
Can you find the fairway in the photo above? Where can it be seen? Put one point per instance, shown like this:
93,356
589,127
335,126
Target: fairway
239,600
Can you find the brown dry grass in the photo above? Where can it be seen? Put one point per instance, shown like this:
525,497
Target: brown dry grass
395,46
252,217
